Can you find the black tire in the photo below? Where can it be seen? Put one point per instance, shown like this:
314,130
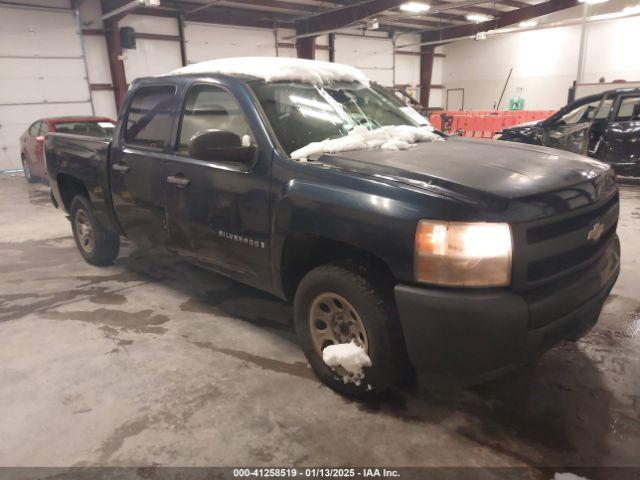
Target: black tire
378,314
104,245
27,170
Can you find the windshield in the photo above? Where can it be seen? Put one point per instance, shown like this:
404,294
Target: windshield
92,129
301,113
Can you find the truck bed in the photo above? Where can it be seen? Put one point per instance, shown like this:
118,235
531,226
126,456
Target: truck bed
82,161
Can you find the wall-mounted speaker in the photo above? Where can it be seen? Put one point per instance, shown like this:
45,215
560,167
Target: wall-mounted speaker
127,37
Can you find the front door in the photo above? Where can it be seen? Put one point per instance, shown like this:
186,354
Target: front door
218,210
137,164
571,130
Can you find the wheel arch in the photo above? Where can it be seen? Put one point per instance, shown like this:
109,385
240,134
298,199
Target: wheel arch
70,186
302,252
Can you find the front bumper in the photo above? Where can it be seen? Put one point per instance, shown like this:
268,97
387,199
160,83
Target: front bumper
626,168
457,337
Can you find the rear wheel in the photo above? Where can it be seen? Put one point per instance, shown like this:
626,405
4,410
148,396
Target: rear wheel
97,245
27,170
338,304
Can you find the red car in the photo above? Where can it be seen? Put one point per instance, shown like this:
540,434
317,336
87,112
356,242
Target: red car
32,140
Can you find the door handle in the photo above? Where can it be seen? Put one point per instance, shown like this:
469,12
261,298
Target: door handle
178,181
118,167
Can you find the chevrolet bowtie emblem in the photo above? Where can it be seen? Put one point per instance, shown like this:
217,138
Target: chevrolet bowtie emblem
596,232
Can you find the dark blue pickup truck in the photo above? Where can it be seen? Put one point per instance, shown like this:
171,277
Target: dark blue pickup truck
453,258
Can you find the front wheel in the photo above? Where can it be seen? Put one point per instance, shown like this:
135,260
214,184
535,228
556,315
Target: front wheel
97,245
339,305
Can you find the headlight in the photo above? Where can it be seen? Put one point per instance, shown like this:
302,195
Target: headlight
463,254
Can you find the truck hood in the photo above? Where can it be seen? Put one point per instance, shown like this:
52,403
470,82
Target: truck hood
504,169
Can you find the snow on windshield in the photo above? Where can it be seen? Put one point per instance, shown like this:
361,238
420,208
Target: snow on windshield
391,137
277,69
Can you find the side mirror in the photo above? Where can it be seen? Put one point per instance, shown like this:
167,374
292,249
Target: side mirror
219,145
40,138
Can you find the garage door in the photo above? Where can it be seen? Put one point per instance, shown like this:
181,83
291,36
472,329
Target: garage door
42,73
374,56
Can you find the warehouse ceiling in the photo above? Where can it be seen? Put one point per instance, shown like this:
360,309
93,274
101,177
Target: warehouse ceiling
444,19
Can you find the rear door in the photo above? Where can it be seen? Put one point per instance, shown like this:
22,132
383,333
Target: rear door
622,134
218,211
137,163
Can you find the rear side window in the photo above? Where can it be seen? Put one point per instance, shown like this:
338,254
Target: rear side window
91,129
149,117
629,109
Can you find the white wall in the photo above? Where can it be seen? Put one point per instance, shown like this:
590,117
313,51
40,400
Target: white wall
207,42
544,62
373,53
151,57
42,72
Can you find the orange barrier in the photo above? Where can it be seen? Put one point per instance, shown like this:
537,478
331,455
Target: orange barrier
484,124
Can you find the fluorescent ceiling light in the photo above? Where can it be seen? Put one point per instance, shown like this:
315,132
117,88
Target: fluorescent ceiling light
528,24
592,2
631,10
478,17
415,7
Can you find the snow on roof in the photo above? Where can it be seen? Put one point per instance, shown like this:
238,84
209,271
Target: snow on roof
392,137
276,69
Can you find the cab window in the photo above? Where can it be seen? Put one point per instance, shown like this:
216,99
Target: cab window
149,117
629,109
580,114
605,108
209,107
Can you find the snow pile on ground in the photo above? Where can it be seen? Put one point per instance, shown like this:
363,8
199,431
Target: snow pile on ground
349,356
392,137
567,476
277,69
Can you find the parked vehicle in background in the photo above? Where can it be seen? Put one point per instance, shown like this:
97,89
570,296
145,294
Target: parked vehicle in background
605,126
32,140
399,246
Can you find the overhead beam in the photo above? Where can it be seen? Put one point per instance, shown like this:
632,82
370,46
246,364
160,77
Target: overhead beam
513,3
221,15
438,7
503,20
279,4
336,19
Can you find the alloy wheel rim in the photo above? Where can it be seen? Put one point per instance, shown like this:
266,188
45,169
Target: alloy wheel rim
334,320
85,231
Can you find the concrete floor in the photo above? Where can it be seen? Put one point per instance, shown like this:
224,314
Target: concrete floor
153,361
